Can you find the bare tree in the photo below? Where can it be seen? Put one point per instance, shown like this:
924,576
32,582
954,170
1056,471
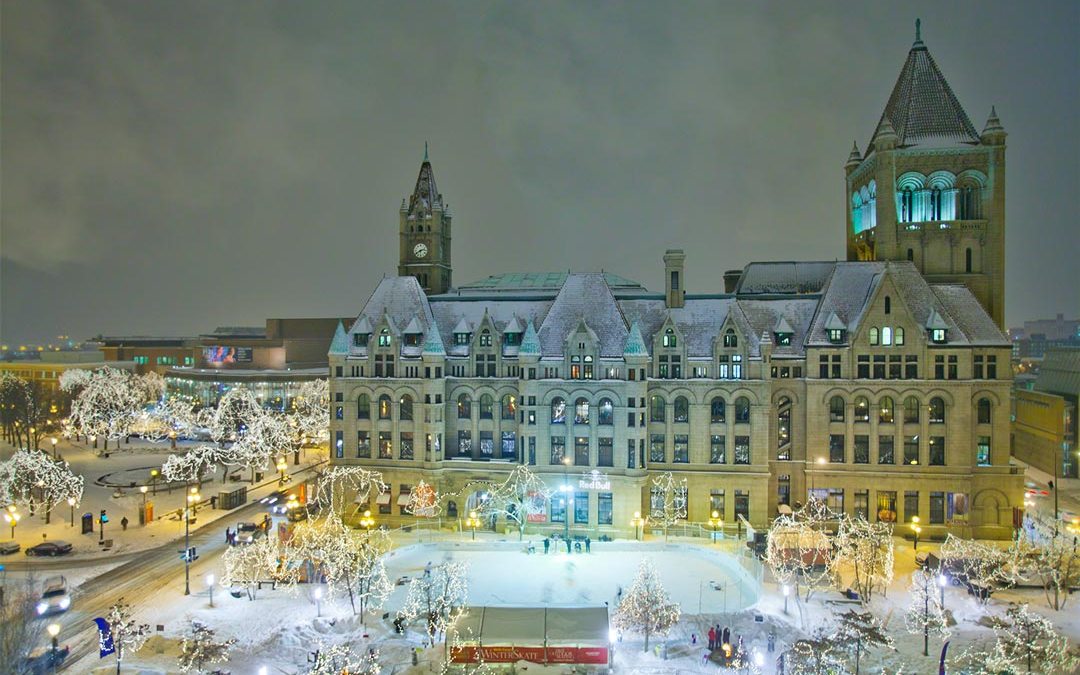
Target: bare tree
866,549
20,631
667,501
438,597
646,608
521,495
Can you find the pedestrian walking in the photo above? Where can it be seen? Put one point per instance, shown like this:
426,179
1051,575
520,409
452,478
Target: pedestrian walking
712,638
547,545
568,545
427,569
618,594
228,536
588,544
124,523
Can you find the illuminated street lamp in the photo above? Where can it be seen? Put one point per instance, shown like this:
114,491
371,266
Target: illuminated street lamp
716,523
637,521
282,466
787,591
813,477
54,442
54,631
916,529
942,581
12,516
367,522
318,601
566,497
472,522
210,585
71,503
154,473
193,498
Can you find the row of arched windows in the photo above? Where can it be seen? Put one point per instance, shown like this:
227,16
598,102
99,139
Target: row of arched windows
887,335
507,407
717,409
887,413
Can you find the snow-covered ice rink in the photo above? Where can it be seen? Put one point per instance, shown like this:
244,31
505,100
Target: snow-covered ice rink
503,574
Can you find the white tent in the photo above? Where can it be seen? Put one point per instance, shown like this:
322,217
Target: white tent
565,635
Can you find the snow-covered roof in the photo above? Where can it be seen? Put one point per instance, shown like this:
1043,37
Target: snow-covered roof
340,343
433,343
635,344
530,342
771,278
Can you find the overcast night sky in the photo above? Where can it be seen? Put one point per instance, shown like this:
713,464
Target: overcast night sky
168,167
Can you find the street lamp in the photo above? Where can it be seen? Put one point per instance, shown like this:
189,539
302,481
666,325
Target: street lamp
367,522
210,585
787,591
153,479
716,522
942,582
12,516
53,441
916,529
566,497
282,465
54,631
318,601
637,521
472,521
813,477
193,498
71,503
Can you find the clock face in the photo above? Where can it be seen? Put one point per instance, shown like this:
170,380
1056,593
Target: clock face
420,250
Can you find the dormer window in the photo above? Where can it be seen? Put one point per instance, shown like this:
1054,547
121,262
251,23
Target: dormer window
485,338
836,335
730,339
669,339
512,339
384,338
412,340
461,339
360,339
937,335
783,339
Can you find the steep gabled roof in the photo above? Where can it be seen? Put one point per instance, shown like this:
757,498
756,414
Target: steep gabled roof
433,343
584,295
340,343
922,107
530,342
635,344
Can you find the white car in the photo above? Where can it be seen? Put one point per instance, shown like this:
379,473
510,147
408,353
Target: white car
54,597
246,533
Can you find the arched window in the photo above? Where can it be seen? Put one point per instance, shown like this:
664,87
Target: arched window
873,335
670,339
384,407
742,410
485,338
682,409
581,411
606,415
967,260
888,304
384,338
405,407
783,429
862,409
886,335
983,416
487,405
657,409
836,409
509,407
558,410
911,410
731,340
464,407
937,411
363,407
886,412
899,337
717,410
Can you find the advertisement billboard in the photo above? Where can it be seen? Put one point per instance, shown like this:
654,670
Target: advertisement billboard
227,354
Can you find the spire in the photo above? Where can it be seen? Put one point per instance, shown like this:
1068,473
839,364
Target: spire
635,344
530,343
425,151
993,133
425,196
340,343
922,107
854,158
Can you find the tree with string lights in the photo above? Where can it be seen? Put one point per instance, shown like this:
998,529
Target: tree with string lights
646,608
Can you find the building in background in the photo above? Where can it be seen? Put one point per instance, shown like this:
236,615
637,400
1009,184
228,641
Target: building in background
272,360
1044,429
150,354
47,369
931,189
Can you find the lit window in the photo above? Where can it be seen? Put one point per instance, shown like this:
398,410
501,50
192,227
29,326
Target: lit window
384,338
669,338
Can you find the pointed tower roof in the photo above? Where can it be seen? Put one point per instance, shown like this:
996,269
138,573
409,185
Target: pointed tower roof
340,343
854,157
635,344
433,343
425,196
530,342
922,107
514,326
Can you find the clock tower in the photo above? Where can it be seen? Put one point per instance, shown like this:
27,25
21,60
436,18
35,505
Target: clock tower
424,226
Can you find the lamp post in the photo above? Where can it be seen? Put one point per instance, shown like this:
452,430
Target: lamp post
787,591
153,479
318,601
472,521
942,582
813,477
53,441
210,585
71,503
193,502
143,490
12,517
367,522
282,465
916,529
637,521
566,496
54,631
716,522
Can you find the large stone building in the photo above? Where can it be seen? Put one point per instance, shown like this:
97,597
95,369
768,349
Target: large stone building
930,189
881,390
1045,424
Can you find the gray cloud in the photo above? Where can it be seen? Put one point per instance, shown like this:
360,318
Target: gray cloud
169,167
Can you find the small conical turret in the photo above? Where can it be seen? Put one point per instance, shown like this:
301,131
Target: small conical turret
886,137
993,133
855,158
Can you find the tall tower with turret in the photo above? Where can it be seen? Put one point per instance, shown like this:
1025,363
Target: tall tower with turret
930,188
424,226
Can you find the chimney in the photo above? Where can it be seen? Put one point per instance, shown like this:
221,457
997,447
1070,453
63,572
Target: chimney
731,280
674,278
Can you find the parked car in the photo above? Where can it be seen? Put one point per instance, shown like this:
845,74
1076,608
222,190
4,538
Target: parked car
54,596
246,532
50,548
297,514
9,547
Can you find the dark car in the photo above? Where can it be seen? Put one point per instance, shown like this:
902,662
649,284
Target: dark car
50,548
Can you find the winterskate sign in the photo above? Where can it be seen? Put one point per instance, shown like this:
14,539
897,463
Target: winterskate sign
594,480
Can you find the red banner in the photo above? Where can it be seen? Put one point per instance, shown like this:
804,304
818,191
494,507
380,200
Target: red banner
587,655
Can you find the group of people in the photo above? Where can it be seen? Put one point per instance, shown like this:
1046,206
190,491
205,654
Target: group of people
570,546
720,639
